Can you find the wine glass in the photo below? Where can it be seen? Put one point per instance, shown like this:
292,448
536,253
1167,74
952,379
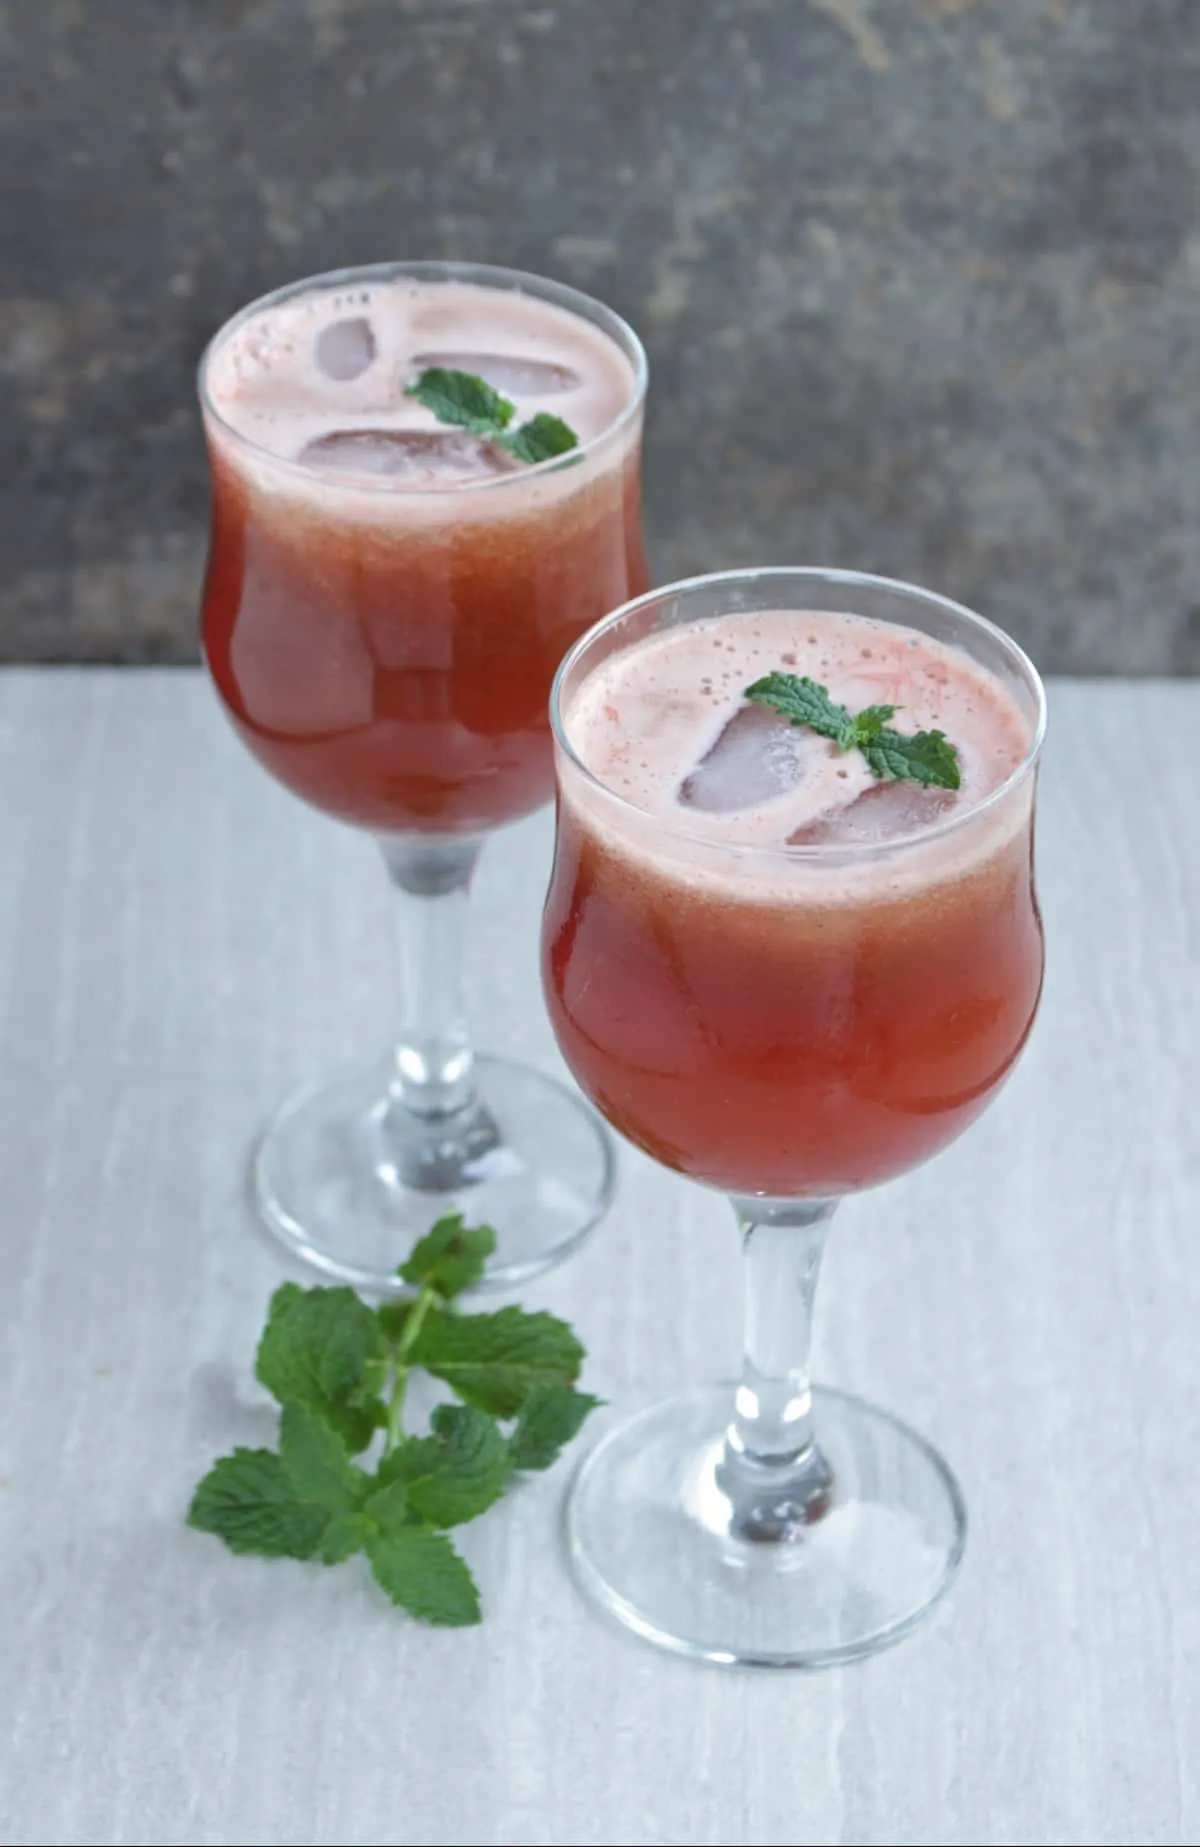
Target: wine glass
386,603
789,981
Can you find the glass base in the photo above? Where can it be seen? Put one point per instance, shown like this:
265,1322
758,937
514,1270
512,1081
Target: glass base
349,1178
650,1533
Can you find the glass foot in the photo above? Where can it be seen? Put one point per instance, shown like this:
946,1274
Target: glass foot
656,1542
349,1178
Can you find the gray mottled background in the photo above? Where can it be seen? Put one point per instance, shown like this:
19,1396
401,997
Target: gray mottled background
920,278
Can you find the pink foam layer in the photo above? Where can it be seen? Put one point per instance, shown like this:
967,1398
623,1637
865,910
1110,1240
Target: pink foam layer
267,382
647,717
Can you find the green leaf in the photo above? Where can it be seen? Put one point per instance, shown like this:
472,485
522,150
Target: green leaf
462,399
539,439
324,1348
388,1507
420,1570
496,1362
248,1500
393,1317
804,702
450,1257
315,1460
452,1476
343,1537
553,1414
870,722
928,757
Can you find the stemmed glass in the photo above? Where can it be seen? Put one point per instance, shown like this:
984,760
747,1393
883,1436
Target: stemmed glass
384,640
788,1024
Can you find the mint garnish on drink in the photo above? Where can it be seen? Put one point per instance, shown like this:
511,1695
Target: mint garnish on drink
470,403
339,1370
927,757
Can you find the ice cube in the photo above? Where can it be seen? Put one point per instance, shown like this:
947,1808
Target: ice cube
539,378
757,756
883,812
345,349
416,458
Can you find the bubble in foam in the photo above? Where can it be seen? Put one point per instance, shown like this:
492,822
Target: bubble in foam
345,349
419,458
524,377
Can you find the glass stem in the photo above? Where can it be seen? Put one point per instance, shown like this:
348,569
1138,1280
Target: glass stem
433,1057
772,1472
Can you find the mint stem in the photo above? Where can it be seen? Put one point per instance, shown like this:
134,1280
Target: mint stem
412,1327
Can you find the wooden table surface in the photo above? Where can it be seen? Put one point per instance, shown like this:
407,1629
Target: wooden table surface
179,943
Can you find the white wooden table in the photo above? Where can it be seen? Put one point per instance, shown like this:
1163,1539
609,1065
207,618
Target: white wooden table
179,943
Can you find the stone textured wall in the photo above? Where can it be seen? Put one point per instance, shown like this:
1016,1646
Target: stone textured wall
920,279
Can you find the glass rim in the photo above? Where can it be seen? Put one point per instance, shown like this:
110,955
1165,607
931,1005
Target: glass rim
545,288
829,853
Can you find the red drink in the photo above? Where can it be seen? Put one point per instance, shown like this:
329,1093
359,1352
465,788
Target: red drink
786,979
774,974
388,598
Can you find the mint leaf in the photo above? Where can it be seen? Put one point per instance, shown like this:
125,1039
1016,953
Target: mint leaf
804,702
540,438
449,1258
927,757
870,722
324,1348
552,1415
388,1507
462,399
248,1500
420,1570
392,1316
314,1459
343,1537
453,1475
496,1362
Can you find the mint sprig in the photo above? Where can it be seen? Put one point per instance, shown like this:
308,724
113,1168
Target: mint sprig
470,403
926,757
340,1370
